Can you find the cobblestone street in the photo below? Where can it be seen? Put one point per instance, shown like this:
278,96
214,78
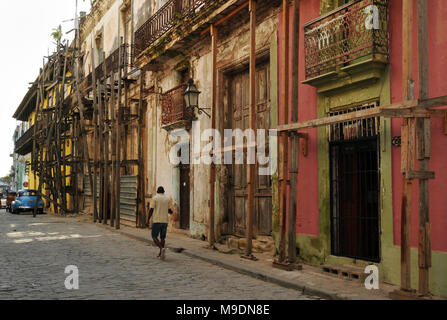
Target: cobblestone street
35,253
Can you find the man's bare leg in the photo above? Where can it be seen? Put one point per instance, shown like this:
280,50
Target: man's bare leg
159,245
163,250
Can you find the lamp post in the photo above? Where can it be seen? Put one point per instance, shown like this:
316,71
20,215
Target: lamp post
191,95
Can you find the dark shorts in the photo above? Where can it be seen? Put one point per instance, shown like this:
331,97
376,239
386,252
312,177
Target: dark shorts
159,229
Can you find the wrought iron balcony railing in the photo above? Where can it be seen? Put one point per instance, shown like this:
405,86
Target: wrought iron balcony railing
112,63
163,21
174,106
350,34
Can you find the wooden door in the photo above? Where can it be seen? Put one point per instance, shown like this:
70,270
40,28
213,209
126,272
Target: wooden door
184,196
355,199
239,102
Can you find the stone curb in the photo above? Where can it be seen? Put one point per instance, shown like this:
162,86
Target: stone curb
236,267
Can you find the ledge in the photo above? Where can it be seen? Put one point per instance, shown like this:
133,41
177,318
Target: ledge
181,124
351,75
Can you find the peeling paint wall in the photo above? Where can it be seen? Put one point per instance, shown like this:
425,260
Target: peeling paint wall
233,51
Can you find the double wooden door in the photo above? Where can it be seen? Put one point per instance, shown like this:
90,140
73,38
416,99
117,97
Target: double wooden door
240,111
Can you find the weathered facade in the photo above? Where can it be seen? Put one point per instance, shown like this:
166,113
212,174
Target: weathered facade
349,194
326,76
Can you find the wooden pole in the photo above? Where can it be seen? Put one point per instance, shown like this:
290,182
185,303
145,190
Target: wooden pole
141,166
423,154
101,148
118,139
113,143
106,142
81,114
407,148
284,143
294,139
95,140
251,179
212,237
35,153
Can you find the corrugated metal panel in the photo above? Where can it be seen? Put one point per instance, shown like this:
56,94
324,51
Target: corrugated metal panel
128,200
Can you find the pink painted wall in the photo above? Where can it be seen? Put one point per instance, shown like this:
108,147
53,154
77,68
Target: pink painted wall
437,47
308,210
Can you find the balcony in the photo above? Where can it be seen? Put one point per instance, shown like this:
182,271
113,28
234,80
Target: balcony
111,64
346,42
163,21
24,144
174,114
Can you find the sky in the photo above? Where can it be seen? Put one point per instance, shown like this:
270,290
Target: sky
25,33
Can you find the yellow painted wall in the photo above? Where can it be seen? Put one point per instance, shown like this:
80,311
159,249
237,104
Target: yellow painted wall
34,181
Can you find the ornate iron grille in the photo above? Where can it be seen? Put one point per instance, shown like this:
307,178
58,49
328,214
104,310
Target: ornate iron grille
356,129
174,106
343,36
354,159
163,21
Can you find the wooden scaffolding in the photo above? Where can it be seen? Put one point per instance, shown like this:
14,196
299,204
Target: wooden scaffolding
416,115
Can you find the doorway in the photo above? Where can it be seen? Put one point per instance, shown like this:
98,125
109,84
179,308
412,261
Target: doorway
355,184
185,189
240,110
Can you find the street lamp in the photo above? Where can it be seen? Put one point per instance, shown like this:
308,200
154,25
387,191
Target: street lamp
192,98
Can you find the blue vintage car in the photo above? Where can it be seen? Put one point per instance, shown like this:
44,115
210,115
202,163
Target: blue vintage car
26,200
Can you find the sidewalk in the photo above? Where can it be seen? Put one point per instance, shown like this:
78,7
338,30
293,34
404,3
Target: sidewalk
311,280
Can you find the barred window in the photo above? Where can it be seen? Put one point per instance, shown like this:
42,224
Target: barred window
356,129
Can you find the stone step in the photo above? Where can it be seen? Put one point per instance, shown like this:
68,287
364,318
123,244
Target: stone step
260,244
345,272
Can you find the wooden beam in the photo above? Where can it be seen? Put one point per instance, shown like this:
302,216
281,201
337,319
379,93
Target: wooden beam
395,110
252,125
113,155
212,182
424,153
294,139
283,144
226,18
118,140
407,154
106,193
81,115
141,164
425,175
95,140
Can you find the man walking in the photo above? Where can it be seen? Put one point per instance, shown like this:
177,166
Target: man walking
160,211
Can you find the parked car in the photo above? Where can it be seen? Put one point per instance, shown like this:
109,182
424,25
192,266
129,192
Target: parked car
26,200
11,197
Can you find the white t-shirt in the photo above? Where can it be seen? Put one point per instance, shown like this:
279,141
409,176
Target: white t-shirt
160,204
